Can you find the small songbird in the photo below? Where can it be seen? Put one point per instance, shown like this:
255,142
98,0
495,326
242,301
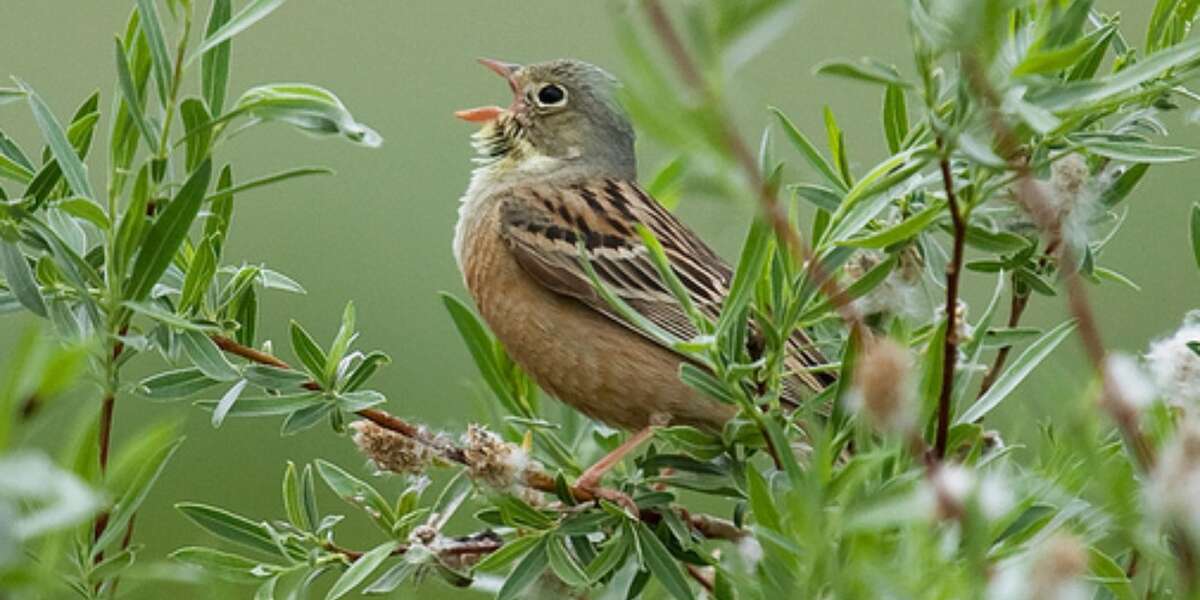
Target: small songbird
557,171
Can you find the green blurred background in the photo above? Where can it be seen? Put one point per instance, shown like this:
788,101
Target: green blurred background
379,231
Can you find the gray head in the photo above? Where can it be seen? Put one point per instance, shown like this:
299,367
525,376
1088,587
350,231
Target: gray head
564,109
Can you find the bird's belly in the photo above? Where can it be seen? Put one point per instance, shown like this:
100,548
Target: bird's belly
576,354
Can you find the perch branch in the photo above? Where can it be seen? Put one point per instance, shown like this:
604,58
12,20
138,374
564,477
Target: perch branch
484,542
536,479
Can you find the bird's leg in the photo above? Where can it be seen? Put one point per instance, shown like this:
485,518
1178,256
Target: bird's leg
589,481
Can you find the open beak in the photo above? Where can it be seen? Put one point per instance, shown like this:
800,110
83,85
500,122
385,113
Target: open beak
483,114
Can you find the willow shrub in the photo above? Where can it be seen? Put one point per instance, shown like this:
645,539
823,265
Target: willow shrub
1015,135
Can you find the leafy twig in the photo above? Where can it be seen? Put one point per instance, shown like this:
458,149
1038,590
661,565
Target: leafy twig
709,526
1033,200
953,271
767,198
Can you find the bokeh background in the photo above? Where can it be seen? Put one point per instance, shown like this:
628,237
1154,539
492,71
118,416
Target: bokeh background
379,231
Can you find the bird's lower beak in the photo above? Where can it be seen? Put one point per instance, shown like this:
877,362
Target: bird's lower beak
485,114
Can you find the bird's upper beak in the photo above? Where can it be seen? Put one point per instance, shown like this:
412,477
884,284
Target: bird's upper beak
484,114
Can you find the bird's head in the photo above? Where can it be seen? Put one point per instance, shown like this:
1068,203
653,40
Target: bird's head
562,109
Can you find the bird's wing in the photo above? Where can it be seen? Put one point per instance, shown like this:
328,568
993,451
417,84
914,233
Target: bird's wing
543,225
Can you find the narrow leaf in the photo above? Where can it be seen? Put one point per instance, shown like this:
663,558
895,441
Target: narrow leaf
1037,351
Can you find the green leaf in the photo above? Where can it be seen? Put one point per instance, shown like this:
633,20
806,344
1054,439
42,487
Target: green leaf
292,505
526,572
620,307
509,552
661,564
226,565
705,382
274,178
1123,185
756,251
357,493
479,344
1108,573
14,171
451,499
18,276
353,402
207,356
249,15
900,232
809,151
361,569
133,222
274,378
564,564
1042,60
895,117
10,150
364,370
868,70
167,233
1037,351
393,578
199,134
762,500
1083,95
8,95
519,513
214,62
87,210
270,406
1134,151
308,107
154,310
199,276
229,526
1195,233
129,95
159,58
819,195
60,147
134,495
216,224
341,342
227,401
306,418
611,556
861,287
175,384
667,273
308,497
309,353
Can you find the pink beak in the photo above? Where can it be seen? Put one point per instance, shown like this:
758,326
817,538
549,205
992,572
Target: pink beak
484,114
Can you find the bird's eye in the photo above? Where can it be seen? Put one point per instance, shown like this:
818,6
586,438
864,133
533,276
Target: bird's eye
551,95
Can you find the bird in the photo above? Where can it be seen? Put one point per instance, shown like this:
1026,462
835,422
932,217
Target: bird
556,176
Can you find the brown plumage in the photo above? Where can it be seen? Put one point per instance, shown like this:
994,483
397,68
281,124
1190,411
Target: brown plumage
540,197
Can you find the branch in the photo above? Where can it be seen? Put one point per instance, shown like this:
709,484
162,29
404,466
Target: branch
737,148
953,272
1015,310
1032,199
533,478
484,542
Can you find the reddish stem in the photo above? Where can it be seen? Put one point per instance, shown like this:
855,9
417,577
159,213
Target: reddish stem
950,346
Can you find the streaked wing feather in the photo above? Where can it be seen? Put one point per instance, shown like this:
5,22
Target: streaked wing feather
543,223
